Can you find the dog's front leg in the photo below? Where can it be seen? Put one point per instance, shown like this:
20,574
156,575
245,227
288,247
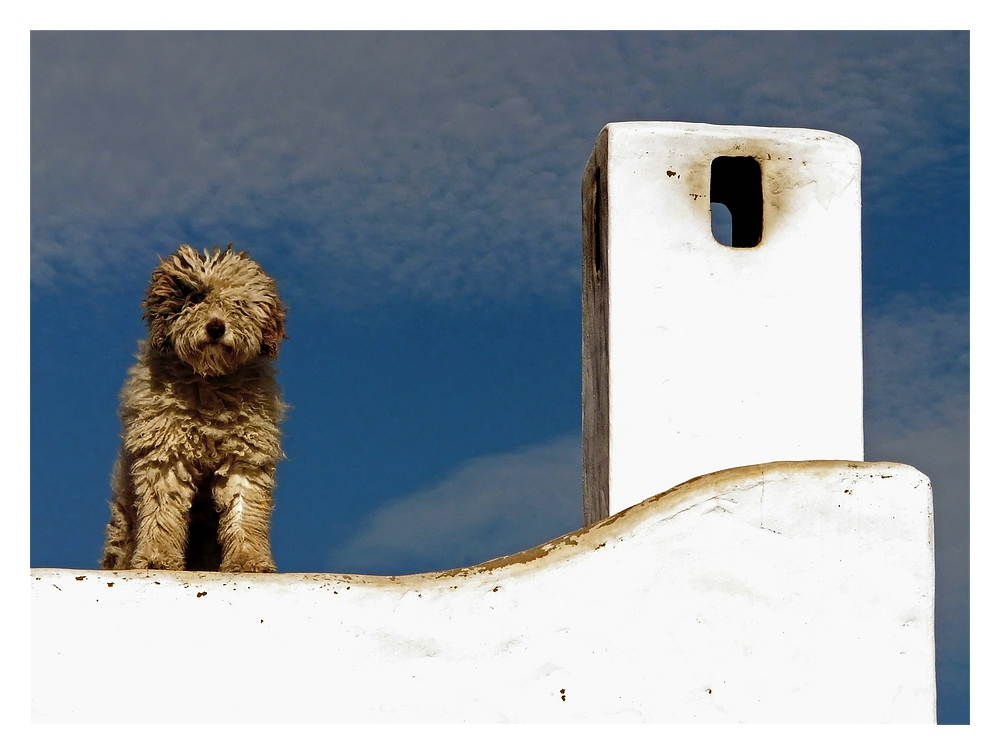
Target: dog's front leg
119,540
243,497
163,495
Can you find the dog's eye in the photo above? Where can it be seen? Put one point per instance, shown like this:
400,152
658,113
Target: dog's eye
195,297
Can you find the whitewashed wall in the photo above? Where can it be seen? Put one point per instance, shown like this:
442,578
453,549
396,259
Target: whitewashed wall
797,592
699,356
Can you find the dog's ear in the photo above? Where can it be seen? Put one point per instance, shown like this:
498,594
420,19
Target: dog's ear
161,306
274,330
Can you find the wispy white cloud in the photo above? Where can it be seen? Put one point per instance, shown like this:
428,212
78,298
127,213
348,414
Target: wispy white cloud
916,364
488,507
435,166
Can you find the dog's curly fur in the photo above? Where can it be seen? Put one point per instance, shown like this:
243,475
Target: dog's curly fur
192,485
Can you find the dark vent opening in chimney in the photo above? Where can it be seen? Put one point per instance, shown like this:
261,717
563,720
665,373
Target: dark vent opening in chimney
736,184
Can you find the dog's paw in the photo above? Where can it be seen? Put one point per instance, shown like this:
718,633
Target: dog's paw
157,561
113,561
248,565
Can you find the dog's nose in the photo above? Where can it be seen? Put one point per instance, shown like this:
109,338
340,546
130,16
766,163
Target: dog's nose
216,329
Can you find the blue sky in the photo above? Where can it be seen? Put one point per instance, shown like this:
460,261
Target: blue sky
417,197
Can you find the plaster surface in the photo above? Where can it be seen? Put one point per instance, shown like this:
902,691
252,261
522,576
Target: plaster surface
783,592
700,356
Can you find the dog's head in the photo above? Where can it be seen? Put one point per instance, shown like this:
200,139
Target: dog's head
215,312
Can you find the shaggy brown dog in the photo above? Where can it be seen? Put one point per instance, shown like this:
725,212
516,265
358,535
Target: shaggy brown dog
200,411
